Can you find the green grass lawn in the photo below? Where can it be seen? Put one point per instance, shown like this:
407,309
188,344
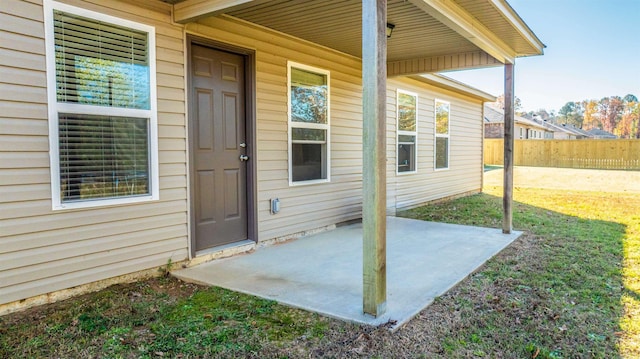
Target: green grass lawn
157,318
572,291
569,288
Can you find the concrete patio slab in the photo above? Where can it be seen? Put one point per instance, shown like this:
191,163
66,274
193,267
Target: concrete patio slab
323,272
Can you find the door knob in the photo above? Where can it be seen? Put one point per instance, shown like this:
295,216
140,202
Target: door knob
244,158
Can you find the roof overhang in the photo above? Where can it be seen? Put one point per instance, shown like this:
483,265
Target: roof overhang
455,86
463,23
191,10
429,36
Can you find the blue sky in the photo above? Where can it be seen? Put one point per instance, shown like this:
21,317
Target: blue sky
593,51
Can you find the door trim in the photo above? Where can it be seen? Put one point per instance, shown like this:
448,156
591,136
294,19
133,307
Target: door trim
250,128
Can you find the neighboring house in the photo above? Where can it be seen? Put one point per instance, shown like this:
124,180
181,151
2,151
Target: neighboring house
580,133
601,134
562,131
524,128
573,132
554,131
135,133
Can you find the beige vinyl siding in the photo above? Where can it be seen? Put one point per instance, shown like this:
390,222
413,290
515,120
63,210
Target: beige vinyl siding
465,152
41,250
392,159
303,207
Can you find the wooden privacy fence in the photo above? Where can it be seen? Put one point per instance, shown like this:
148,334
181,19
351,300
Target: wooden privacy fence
598,154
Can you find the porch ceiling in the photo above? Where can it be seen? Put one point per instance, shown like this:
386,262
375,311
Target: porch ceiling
429,35
338,24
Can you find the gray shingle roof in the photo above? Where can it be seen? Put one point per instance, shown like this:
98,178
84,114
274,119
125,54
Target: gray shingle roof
496,115
596,132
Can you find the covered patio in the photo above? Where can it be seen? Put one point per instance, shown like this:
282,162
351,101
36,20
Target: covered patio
323,272
389,273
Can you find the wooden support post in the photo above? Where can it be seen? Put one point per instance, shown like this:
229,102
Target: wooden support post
507,198
374,196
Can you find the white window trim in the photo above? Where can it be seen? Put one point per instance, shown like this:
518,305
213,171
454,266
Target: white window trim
436,135
54,108
410,133
291,124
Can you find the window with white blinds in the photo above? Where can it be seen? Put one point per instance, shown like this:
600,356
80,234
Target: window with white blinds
102,108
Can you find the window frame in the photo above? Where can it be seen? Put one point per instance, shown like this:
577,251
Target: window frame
318,126
55,108
436,135
406,133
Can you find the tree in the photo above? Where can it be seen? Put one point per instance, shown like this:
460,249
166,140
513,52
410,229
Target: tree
517,103
590,118
571,113
629,125
636,113
629,98
610,109
544,115
528,115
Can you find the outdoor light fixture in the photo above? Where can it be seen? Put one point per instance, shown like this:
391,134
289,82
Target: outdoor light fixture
390,29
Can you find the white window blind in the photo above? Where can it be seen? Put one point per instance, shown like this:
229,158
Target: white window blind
103,156
103,127
100,64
